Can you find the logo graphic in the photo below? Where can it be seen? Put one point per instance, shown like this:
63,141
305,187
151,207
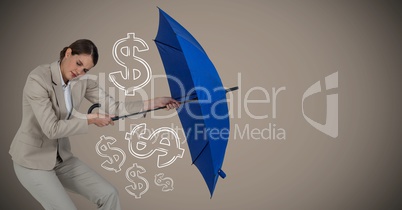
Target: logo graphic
139,184
159,141
166,183
115,156
137,70
331,125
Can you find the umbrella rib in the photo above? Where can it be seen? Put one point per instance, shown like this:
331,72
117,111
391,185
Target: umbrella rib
201,152
167,45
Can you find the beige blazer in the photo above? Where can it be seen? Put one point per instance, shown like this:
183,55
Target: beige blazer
44,128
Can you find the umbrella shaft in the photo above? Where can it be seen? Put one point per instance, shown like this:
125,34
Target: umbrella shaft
146,111
150,110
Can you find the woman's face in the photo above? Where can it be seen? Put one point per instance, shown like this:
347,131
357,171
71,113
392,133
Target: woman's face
73,66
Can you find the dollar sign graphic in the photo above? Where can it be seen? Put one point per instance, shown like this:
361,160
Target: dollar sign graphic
139,184
137,70
165,182
142,146
115,156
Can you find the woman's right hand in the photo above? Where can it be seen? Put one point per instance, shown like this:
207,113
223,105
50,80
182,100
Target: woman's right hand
100,120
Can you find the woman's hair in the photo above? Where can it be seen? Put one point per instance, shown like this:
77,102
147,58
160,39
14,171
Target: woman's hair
82,46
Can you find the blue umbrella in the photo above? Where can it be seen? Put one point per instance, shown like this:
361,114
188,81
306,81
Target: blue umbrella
191,73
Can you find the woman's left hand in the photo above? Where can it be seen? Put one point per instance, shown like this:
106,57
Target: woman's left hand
157,102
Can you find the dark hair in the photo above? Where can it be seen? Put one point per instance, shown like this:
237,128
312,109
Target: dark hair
82,46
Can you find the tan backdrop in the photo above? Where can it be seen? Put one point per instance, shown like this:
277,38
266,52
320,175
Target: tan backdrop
260,46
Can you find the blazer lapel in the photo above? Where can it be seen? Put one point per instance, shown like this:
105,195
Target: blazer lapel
76,93
58,89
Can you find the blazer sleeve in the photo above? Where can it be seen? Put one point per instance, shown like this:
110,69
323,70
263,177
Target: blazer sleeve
37,95
95,94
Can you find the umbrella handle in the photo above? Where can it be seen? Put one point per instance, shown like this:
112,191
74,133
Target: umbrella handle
94,106
97,105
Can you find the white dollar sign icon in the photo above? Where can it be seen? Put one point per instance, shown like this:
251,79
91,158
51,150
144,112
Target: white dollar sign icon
139,184
115,156
137,71
165,182
163,141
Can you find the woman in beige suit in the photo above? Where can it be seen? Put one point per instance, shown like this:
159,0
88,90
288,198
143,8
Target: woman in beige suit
40,150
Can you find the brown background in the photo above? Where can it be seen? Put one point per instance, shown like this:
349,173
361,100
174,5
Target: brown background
288,44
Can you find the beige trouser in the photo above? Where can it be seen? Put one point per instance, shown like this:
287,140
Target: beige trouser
48,187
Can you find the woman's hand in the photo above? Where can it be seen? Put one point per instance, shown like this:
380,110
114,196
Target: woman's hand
157,102
100,120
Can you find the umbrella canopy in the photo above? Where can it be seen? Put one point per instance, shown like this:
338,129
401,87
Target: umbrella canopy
190,72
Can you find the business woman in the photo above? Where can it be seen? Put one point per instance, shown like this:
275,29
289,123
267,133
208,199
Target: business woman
41,151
